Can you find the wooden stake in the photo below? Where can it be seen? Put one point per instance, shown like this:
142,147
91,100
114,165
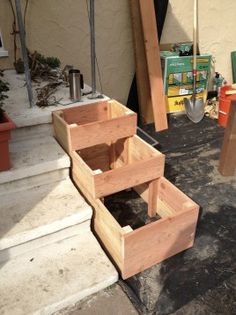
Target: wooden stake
227,165
152,198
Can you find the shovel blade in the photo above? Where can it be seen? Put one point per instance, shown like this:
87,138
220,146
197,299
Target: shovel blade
194,109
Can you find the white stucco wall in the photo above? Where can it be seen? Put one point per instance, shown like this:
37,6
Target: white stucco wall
60,28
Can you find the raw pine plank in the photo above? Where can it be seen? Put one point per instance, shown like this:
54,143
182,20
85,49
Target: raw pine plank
128,176
118,110
148,18
104,224
112,156
88,125
162,208
85,114
167,193
121,151
61,130
140,149
82,171
96,157
142,78
101,132
227,165
157,241
152,198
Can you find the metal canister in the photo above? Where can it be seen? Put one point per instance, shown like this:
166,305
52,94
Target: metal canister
76,84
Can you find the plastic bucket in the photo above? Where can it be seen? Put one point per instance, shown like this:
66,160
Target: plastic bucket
224,105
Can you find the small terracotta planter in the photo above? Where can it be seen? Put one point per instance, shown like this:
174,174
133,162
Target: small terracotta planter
5,135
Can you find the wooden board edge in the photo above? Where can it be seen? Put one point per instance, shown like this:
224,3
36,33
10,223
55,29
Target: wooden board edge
156,234
105,188
116,231
151,43
61,131
143,143
124,108
142,79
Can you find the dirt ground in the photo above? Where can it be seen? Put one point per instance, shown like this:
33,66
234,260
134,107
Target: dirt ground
110,301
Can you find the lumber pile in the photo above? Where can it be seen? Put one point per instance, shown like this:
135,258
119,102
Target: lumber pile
108,157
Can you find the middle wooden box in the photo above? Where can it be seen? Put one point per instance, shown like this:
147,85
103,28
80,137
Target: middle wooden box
108,168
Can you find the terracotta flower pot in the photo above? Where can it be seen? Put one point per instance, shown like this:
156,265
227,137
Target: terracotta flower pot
5,135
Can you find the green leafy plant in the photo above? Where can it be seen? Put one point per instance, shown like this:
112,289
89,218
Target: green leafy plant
52,62
4,87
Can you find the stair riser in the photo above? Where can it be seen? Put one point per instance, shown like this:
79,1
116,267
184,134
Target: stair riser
37,131
33,181
46,229
12,252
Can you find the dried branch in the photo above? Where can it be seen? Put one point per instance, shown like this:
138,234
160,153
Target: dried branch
25,11
15,32
4,87
41,69
45,95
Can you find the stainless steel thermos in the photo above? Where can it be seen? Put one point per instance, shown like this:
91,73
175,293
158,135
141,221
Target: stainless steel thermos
76,84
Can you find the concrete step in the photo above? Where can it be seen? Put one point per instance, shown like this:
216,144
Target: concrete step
53,277
51,212
32,132
31,158
17,104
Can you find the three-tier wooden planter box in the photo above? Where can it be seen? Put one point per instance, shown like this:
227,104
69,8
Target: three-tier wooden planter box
107,157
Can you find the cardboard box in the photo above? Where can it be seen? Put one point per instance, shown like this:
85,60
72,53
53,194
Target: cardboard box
178,79
176,103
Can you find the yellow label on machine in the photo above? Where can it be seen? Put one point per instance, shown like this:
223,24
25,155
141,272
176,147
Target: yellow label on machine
176,103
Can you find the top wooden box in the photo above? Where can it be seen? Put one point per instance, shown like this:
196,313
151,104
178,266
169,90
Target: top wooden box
88,125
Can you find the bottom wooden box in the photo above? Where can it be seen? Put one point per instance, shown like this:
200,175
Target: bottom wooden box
133,251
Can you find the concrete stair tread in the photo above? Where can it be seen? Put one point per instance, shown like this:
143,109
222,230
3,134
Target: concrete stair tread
55,276
32,157
17,104
41,210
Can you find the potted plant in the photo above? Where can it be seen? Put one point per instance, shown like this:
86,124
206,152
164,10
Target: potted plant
6,125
